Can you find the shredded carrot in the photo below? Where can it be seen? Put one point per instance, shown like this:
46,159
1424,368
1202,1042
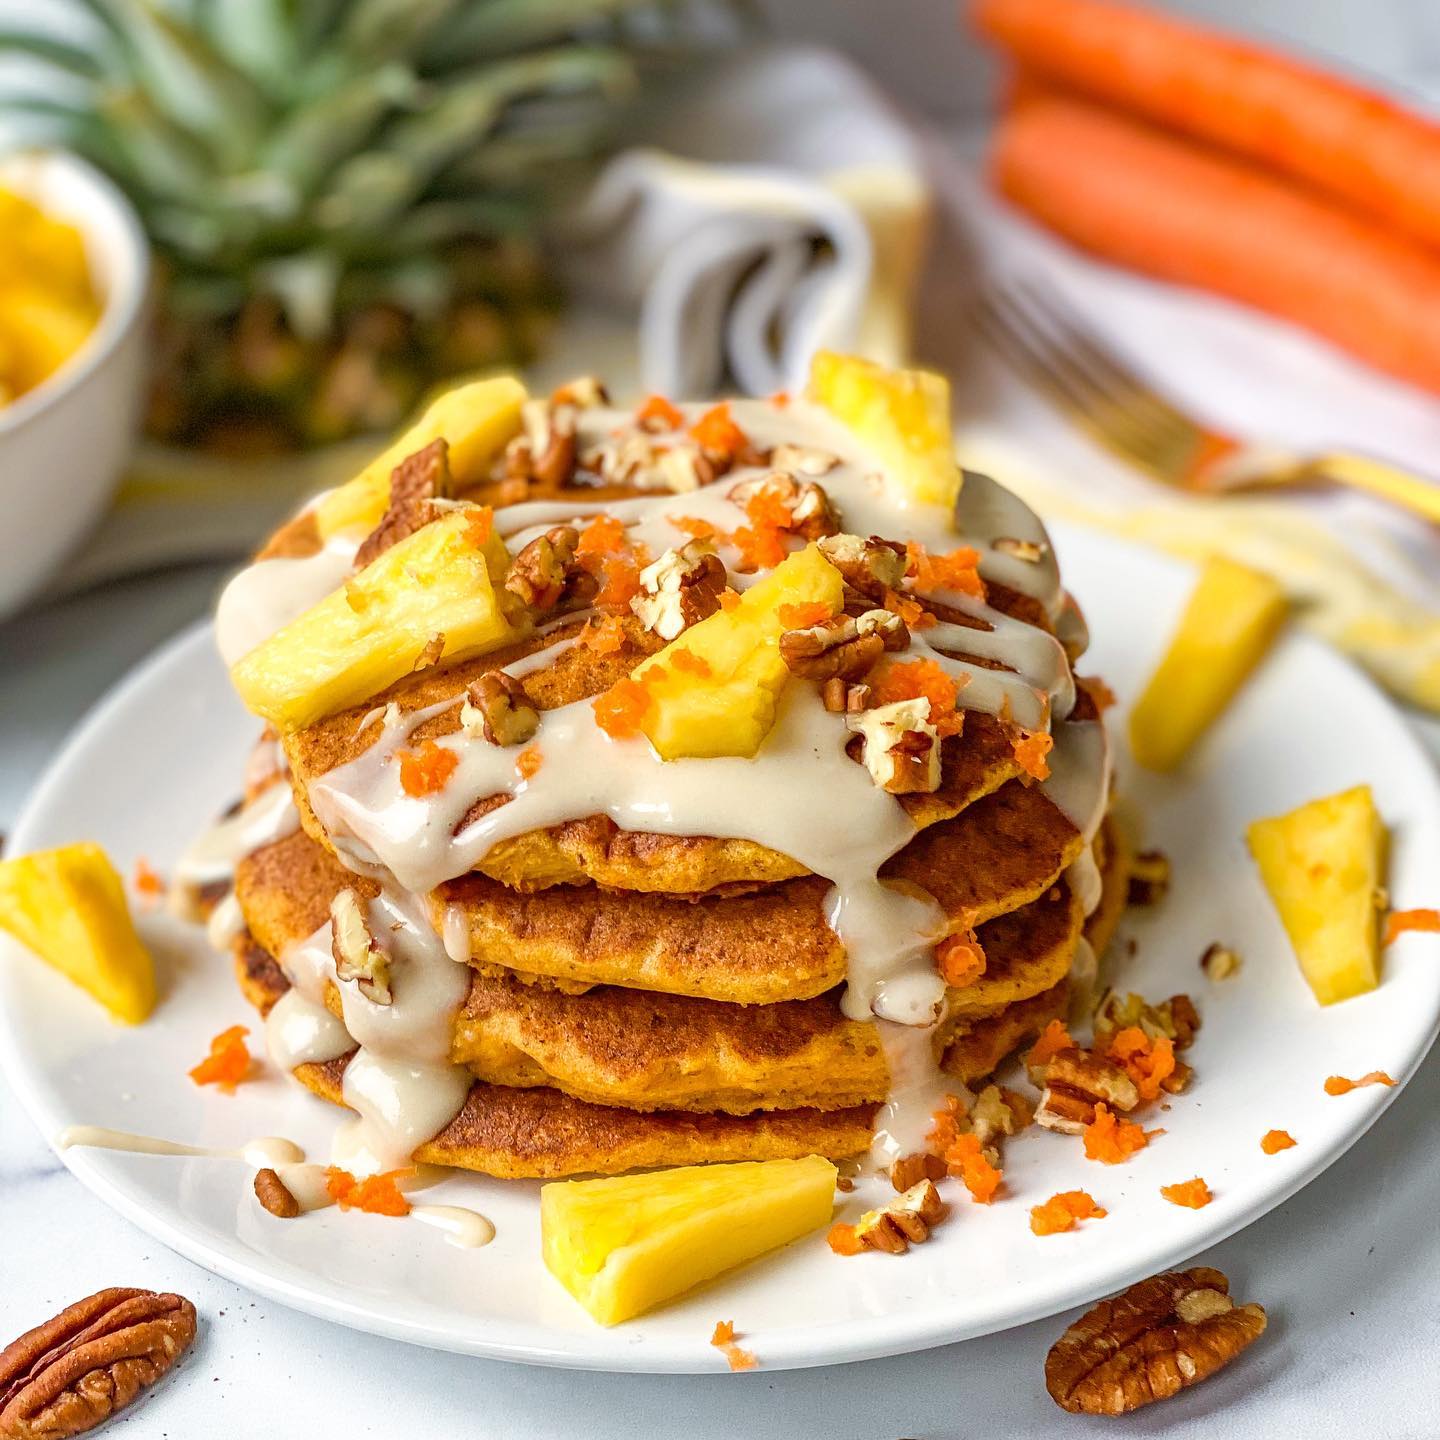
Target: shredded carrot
1110,1140
1053,1039
1274,1140
228,1063
1193,1194
424,771
960,959
1399,921
955,571
688,663
604,636
529,761
910,610
913,679
780,399
619,584
695,527
480,527
1031,748
729,599
946,1129
604,535
1098,691
760,547
806,613
964,1160
1149,1062
1060,1212
715,430
844,1240
1339,1085
375,1195
724,1339
620,709
658,408
148,885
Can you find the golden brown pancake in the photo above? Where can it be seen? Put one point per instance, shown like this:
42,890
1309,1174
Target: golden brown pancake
977,1050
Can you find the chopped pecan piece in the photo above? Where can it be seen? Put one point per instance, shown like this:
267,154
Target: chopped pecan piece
1149,877
998,1111
902,748
1075,1082
585,392
843,698
545,575
358,954
1219,962
74,1372
807,506
803,459
907,1220
273,1193
1176,1018
873,568
414,483
1149,1343
1031,551
910,1170
497,709
680,588
844,646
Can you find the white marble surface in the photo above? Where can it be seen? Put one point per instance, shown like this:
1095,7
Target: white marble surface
1345,1268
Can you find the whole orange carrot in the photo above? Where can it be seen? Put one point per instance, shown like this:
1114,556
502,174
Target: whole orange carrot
1276,111
1154,203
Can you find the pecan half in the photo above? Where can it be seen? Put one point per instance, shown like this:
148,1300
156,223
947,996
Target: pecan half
680,588
545,574
871,567
73,1372
844,646
414,483
273,1193
357,952
497,709
1075,1082
1157,1338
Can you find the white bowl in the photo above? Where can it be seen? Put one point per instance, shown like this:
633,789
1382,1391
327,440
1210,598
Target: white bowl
63,444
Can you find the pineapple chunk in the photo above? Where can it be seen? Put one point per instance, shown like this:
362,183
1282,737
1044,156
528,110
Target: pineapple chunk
730,710
370,632
1229,623
68,906
624,1245
902,416
1321,864
476,419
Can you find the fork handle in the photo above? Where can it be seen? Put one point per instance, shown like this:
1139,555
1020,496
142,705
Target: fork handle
1380,478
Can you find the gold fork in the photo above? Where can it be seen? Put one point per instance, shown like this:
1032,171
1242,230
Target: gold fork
1052,347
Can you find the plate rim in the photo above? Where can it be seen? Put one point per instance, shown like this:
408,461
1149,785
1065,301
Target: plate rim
847,1341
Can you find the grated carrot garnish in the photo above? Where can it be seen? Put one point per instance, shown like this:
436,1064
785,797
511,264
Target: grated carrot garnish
688,663
729,599
148,885
958,570
480,527
228,1063
529,761
604,535
946,1130
620,709
914,679
760,547
803,615
724,1340
1030,749
604,636
619,584
658,408
424,771
715,430
1193,1194
1110,1140
695,527
960,959
911,611
375,1195
1053,1039
1339,1085
1060,1212
780,399
1098,691
1276,1140
964,1160
1399,921
844,1240
1148,1062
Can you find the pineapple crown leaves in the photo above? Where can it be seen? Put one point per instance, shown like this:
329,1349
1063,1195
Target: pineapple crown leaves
276,138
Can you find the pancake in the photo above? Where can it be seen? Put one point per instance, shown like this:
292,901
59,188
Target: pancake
973,764
642,1050
542,1134
774,944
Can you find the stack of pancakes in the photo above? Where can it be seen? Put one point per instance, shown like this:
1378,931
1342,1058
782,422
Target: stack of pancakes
642,999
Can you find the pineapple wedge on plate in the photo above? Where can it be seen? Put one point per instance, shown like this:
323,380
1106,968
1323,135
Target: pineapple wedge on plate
1322,865
372,631
624,1245
730,710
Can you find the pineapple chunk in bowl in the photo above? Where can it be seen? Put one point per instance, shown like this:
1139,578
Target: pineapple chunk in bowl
64,442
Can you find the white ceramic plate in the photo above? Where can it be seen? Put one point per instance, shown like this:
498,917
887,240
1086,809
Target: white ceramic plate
164,752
